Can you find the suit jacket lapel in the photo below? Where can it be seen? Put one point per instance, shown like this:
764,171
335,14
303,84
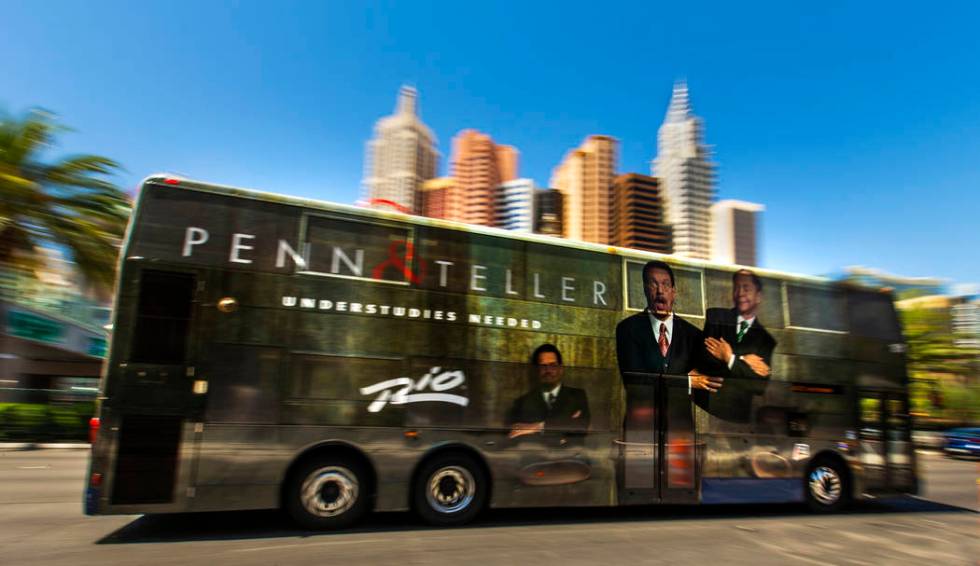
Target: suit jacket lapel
753,334
678,349
537,400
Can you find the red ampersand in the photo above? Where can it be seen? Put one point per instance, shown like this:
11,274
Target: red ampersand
401,264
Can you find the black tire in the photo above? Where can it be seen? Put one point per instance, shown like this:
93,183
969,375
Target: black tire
327,493
450,489
827,485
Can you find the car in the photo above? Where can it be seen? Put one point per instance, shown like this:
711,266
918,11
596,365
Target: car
962,442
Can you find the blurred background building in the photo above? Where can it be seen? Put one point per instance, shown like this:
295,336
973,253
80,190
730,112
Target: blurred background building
401,156
735,232
439,198
904,287
479,166
584,178
52,333
548,210
687,175
514,209
637,214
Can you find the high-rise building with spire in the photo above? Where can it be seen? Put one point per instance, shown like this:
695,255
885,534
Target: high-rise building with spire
401,156
687,176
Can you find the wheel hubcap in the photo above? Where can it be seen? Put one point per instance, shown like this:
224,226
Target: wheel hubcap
329,491
825,485
450,489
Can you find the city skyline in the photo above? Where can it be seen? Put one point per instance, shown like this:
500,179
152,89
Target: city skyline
836,126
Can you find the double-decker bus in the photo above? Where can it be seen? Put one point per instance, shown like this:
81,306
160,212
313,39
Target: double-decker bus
270,351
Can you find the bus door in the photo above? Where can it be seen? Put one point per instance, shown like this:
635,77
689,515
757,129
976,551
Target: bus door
886,443
157,395
658,450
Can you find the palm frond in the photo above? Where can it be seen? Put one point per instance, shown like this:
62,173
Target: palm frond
70,203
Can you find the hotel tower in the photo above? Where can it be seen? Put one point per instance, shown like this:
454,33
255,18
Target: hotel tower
687,176
400,158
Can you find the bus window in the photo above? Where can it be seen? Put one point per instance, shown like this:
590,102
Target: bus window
872,315
718,294
815,308
380,251
687,281
162,317
871,410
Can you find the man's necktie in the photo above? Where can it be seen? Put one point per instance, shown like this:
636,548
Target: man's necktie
550,397
741,330
663,340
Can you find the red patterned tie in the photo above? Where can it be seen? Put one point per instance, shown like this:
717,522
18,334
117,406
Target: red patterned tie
663,340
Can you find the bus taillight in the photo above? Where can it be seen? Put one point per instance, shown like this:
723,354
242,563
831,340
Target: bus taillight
93,429
171,181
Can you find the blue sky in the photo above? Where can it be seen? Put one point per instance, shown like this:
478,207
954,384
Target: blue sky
856,124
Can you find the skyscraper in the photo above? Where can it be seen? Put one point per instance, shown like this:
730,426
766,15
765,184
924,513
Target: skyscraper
687,176
514,208
585,179
548,207
479,167
735,232
637,218
437,198
401,156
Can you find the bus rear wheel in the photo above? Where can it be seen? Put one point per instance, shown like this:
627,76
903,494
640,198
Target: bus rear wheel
450,489
828,486
327,493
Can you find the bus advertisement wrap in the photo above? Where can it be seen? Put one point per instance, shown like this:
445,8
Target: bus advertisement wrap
441,367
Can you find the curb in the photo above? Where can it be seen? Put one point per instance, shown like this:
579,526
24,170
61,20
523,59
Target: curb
10,446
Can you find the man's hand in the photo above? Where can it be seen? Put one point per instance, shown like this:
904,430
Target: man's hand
521,429
706,382
718,348
756,364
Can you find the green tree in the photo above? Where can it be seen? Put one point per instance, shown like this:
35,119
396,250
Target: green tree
943,370
68,202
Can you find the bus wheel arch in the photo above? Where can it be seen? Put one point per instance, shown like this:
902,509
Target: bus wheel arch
828,483
345,474
460,466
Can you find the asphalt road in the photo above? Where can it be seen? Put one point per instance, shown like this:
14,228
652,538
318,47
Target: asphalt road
41,522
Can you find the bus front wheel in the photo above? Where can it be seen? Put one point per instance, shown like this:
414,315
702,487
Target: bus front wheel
828,485
450,489
327,493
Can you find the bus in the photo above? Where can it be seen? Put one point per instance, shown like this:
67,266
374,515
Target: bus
278,352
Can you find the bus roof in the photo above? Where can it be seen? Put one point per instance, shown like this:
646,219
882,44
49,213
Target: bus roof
227,190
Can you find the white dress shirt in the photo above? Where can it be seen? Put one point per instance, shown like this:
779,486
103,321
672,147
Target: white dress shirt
555,391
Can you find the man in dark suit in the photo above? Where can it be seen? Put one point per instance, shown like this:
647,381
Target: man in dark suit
551,406
657,341
740,347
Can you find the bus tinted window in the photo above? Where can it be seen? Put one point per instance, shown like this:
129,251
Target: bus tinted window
812,307
872,315
348,247
162,317
687,281
718,286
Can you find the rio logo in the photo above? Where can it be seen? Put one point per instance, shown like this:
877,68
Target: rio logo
404,390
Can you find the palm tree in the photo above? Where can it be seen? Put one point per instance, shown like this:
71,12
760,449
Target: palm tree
67,203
